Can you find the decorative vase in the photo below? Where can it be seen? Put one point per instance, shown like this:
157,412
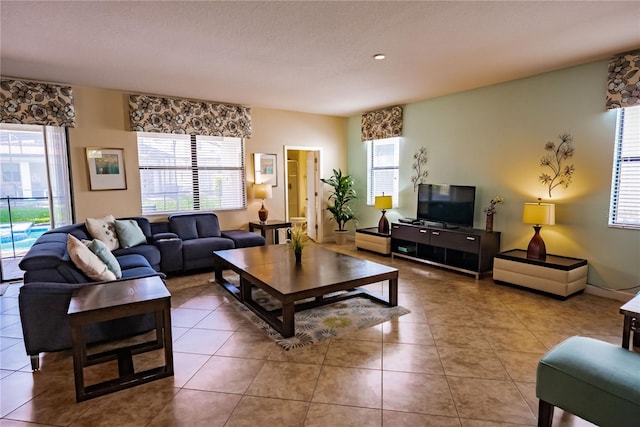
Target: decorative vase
298,254
489,226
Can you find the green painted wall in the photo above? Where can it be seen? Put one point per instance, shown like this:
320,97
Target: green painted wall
494,138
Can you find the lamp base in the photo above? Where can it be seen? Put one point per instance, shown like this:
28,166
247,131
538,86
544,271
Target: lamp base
263,214
536,249
383,224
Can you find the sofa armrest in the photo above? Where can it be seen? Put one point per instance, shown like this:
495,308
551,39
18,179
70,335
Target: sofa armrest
163,236
170,252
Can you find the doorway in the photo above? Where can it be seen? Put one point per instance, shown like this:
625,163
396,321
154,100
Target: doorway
35,191
302,184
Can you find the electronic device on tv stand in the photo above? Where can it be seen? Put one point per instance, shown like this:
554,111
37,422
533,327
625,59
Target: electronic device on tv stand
449,206
410,221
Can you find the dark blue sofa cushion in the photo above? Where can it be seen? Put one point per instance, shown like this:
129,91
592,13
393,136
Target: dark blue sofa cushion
194,226
243,238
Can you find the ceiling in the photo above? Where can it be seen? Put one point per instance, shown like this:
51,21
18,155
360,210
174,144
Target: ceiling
307,56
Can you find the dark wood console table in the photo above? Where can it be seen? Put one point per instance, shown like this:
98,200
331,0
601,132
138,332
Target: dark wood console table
467,250
98,303
272,224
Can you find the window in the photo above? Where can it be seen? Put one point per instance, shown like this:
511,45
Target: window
625,191
181,173
383,166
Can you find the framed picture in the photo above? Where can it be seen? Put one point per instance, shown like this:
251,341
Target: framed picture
106,168
265,168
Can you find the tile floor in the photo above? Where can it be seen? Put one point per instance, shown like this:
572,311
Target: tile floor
465,356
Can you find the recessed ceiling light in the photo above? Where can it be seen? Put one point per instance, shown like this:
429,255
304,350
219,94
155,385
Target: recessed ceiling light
379,56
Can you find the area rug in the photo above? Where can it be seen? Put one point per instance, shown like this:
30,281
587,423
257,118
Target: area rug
329,321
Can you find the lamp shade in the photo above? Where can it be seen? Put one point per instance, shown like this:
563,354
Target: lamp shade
539,213
383,202
262,191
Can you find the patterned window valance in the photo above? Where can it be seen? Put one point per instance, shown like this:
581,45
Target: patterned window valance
33,103
381,124
623,87
175,115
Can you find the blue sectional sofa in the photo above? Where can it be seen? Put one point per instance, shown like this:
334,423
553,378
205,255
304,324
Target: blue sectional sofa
181,244
186,241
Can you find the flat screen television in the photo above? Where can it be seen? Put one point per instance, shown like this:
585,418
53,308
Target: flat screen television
449,205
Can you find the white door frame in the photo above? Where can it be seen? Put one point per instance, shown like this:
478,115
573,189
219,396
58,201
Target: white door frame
313,202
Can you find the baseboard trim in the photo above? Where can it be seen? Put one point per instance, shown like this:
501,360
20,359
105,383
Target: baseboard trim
608,293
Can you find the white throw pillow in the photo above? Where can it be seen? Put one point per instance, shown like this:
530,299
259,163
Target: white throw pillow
104,230
87,261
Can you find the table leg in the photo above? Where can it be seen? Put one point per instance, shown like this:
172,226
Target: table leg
393,292
168,340
79,355
626,330
288,320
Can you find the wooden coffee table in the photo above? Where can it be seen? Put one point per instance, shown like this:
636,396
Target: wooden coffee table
118,300
322,272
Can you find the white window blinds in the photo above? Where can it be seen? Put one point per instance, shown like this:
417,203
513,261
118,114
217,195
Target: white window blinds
181,173
625,192
383,166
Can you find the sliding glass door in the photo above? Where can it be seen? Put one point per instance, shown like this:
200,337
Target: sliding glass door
35,191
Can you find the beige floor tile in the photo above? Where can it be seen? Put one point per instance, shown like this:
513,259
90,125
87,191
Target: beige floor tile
354,354
187,317
407,333
490,400
202,341
252,411
15,390
285,380
133,406
254,345
520,366
226,375
14,358
185,366
513,340
323,415
223,320
458,336
411,358
336,385
408,419
197,408
421,393
481,423
8,320
488,318
312,354
528,391
472,363
204,302
373,333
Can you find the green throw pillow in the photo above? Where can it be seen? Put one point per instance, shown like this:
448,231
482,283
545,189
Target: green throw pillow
100,249
129,233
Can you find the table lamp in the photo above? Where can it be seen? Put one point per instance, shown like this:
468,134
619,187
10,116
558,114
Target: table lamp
383,203
538,214
262,191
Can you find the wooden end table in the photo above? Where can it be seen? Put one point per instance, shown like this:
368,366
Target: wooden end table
272,224
117,300
631,312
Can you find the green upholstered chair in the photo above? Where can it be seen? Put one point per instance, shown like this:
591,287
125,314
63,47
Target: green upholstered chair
594,380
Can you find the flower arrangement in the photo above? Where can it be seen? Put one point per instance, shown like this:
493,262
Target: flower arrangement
491,209
298,237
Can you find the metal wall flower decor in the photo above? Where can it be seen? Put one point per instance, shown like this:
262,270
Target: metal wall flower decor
560,175
419,162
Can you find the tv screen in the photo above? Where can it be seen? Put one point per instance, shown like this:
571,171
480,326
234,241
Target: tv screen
446,204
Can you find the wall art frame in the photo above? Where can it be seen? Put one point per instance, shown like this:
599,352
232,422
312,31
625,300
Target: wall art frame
106,168
265,168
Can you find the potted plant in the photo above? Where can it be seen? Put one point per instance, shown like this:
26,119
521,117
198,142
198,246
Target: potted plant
341,195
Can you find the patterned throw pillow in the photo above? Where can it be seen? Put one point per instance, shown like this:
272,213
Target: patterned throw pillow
129,233
87,261
100,249
104,230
